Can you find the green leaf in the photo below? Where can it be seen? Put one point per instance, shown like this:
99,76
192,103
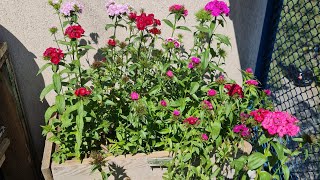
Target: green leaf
43,68
286,172
216,127
238,164
183,28
256,160
109,26
263,139
155,90
203,29
194,87
168,22
45,91
48,113
79,127
64,42
57,82
263,175
279,150
110,103
164,131
187,157
60,103
223,39
86,47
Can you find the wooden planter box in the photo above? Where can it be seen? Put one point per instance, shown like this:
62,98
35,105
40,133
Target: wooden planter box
137,167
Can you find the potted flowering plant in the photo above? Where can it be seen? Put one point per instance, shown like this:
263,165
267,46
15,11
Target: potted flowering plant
148,94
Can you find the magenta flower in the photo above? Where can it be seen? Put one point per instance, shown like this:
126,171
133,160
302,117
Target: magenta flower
204,137
267,92
163,103
195,60
217,8
191,65
242,129
211,92
191,120
134,96
252,82
176,44
249,70
185,13
176,113
207,105
169,74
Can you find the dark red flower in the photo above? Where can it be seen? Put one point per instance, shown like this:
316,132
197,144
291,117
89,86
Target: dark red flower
234,89
74,32
191,120
112,42
54,54
82,92
132,16
155,31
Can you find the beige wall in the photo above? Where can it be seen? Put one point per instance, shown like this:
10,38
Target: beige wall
24,24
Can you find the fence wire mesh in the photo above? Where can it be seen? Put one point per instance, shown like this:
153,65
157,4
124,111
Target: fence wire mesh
294,75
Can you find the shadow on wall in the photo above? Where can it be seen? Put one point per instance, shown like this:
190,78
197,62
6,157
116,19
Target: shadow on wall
29,87
248,18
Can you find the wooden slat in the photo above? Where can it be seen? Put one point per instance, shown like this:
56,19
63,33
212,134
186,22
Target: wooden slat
4,146
3,49
3,158
46,159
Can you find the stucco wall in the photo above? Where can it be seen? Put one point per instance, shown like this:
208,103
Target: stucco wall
24,25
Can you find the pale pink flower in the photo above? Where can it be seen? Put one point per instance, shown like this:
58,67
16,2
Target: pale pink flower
71,6
207,104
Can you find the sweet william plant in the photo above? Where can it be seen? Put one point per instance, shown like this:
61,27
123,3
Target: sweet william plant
150,94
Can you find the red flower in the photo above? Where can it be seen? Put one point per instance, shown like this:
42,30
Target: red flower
74,32
259,114
145,20
191,120
55,55
112,42
155,31
234,89
132,16
82,92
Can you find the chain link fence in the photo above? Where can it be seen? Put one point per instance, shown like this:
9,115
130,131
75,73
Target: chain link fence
292,72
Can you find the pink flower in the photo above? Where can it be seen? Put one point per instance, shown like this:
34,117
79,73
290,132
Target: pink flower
114,9
217,8
134,96
191,120
211,92
185,13
176,44
204,137
169,74
249,70
195,60
244,115
163,103
190,65
176,113
242,129
252,82
207,105
267,92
